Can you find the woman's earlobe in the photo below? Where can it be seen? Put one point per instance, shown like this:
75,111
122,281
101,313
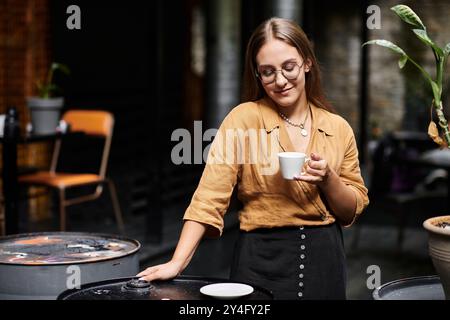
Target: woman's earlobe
308,66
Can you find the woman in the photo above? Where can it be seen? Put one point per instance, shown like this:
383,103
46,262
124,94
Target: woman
290,238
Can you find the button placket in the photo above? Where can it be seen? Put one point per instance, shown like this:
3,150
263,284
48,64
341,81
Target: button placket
302,256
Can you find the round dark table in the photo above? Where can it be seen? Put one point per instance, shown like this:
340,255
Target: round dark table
180,288
417,288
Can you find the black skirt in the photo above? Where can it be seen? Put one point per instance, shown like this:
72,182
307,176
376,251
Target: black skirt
293,262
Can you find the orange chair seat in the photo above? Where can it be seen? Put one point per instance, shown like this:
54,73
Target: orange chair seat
59,180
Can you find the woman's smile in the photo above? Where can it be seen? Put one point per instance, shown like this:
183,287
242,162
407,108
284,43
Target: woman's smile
283,92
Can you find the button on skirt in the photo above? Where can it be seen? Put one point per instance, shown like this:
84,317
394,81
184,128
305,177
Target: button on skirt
293,262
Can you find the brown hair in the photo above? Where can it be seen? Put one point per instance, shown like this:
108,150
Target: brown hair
290,33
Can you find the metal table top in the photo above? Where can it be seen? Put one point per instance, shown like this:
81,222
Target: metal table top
180,288
417,288
55,248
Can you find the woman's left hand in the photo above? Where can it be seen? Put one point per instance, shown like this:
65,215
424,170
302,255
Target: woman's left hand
316,171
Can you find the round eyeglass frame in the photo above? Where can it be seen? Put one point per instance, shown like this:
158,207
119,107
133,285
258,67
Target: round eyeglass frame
258,74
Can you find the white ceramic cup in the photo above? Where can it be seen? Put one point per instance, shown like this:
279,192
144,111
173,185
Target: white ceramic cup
291,164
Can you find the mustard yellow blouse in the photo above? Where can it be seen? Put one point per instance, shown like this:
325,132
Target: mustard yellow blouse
244,153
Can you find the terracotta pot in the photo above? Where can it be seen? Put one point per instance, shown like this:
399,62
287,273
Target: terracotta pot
439,249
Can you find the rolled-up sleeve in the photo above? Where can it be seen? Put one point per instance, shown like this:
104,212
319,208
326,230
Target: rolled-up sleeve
212,197
351,175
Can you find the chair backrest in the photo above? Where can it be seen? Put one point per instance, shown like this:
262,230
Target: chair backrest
91,122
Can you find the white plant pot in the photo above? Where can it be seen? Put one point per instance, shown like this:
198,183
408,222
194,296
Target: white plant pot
439,249
45,113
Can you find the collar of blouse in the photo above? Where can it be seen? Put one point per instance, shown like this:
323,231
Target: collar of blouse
272,119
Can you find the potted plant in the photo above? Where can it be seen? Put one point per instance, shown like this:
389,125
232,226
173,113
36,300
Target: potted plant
437,227
46,107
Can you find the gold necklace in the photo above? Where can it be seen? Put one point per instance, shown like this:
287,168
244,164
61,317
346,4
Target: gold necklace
303,131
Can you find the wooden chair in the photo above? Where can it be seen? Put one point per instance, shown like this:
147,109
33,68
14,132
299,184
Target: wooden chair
91,123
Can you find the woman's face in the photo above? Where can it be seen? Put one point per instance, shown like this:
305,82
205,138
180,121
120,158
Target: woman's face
282,71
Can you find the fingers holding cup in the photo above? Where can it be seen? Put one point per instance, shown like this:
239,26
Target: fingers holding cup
315,170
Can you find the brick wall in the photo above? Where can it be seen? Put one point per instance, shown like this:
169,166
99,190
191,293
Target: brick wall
24,58
338,49
385,84
24,48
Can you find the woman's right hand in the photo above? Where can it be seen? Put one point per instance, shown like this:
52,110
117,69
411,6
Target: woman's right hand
163,271
191,235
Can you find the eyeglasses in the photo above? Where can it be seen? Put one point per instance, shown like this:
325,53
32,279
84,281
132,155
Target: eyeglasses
290,71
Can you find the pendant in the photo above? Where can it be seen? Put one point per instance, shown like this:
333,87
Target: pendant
304,133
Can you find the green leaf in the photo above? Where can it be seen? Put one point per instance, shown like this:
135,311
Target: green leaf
447,50
61,67
423,36
44,92
387,44
436,91
408,15
403,60
52,87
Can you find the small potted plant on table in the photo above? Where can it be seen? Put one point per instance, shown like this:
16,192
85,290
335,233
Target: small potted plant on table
46,107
